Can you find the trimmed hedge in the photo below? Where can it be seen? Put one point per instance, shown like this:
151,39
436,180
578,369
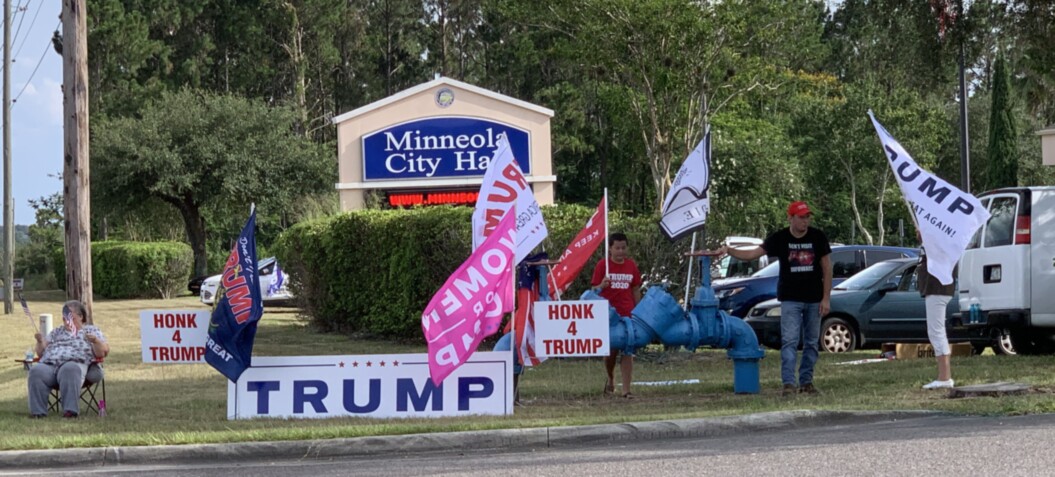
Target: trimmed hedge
373,271
135,269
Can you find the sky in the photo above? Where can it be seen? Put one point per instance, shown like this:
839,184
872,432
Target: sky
36,116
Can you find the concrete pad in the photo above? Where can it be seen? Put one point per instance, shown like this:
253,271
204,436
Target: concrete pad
989,390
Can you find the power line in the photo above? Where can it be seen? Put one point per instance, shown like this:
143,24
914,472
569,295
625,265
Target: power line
30,30
18,8
35,68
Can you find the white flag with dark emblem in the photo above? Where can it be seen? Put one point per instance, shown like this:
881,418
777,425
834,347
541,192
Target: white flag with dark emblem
947,217
686,205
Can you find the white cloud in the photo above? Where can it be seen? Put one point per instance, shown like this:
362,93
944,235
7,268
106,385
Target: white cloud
53,101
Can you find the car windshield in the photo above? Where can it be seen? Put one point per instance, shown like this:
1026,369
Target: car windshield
868,277
771,270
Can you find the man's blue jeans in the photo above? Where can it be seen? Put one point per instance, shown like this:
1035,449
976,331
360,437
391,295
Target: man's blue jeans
799,320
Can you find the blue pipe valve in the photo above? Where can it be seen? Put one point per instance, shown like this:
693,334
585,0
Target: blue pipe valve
659,317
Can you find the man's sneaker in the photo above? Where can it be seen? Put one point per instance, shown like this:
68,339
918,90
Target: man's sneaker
938,384
789,390
809,388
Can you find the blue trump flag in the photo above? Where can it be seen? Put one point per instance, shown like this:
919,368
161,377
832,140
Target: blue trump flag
232,328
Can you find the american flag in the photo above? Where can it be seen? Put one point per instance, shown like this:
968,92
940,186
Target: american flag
25,307
67,317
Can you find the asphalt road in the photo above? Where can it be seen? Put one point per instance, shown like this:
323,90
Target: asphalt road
1005,446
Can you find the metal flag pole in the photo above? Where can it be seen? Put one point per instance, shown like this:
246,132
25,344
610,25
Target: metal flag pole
688,276
606,232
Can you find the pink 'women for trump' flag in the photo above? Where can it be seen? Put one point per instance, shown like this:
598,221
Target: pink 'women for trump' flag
470,305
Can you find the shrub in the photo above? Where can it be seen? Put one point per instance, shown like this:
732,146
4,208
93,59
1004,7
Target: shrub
373,271
134,269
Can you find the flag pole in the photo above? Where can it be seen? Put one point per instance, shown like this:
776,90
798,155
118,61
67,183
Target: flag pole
606,232
688,276
29,316
556,291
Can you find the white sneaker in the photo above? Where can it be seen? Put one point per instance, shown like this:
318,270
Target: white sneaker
938,384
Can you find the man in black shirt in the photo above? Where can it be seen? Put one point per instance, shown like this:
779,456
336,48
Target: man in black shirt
803,288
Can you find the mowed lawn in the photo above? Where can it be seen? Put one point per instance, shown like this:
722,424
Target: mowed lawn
151,404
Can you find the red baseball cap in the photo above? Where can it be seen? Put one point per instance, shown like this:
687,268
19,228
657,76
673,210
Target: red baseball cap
799,209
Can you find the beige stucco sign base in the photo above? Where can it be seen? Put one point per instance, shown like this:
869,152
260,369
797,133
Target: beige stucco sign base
442,97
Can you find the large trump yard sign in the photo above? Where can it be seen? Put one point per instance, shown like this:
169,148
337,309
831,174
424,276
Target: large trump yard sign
379,386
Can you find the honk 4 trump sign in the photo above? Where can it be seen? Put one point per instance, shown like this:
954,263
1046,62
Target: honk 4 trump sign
571,328
173,336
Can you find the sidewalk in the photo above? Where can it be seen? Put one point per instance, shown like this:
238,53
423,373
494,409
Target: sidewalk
505,439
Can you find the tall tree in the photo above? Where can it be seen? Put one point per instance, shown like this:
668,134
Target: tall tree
1002,163
679,62
207,155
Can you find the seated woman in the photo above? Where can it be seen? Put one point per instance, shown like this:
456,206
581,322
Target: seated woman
66,360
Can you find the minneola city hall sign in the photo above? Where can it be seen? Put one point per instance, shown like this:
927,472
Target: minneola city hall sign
431,144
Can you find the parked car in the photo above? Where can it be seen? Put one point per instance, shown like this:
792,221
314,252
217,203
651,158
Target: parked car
194,285
731,267
879,305
1008,270
273,284
738,296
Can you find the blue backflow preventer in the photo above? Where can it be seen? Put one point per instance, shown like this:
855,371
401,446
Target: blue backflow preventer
659,317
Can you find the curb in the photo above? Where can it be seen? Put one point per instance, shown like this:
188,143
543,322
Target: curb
566,437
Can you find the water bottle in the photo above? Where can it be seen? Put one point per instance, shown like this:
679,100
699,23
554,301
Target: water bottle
29,356
975,314
102,408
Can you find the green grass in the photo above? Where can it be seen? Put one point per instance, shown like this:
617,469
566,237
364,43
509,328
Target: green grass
152,404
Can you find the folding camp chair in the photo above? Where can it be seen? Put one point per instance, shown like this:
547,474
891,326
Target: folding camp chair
93,394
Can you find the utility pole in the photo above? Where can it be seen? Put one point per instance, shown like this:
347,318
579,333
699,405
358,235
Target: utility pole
9,206
77,198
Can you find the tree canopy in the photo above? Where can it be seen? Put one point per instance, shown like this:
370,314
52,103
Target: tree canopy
183,90
207,155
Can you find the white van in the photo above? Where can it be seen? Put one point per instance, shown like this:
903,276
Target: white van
1008,269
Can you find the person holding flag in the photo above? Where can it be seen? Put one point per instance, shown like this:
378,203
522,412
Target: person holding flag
67,359
946,218
936,296
618,280
504,190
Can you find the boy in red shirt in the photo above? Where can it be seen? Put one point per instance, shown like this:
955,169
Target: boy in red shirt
622,289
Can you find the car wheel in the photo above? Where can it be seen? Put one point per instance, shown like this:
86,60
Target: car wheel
1027,341
1002,343
838,336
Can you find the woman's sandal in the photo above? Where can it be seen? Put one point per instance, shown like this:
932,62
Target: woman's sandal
628,396
609,388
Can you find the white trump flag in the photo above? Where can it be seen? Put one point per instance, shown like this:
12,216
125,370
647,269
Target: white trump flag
504,185
686,205
947,217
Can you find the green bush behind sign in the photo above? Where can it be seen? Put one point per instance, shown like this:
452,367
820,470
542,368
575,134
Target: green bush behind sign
373,271
134,269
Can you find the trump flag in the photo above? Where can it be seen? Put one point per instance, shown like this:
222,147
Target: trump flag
946,217
503,186
470,305
232,328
